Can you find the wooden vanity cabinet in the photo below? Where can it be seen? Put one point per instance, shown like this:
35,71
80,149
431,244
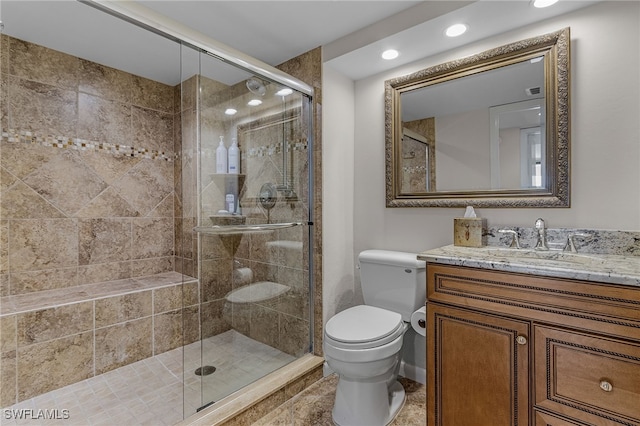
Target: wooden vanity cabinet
517,349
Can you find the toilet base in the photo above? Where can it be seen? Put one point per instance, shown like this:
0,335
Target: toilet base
367,404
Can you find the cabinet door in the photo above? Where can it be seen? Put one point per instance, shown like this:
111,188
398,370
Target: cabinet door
478,368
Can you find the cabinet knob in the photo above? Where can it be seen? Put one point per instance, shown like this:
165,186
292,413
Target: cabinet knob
606,386
521,340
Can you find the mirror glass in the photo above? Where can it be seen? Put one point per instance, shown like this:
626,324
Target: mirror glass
418,158
489,130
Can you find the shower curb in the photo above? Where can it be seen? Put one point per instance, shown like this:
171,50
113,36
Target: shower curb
275,388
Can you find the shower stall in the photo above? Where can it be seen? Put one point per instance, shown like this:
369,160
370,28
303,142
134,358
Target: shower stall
248,233
140,283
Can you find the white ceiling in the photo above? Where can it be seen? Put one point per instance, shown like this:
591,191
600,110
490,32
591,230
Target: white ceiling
484,19
353,33
275,31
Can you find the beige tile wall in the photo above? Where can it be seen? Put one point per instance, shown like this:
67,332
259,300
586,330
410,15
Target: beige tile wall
87,195
185,172
281,322
70,217
47,349
73,215
308,68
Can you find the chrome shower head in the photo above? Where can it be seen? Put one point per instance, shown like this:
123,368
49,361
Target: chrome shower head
256,86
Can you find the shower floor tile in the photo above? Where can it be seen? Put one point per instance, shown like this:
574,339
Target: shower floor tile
153,391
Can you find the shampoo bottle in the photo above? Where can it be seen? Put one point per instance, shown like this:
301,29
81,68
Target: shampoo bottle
231,203
234,158
221,157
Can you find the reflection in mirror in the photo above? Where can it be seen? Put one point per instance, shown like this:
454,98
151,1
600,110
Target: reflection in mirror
517,145
464,123
494,126
418,157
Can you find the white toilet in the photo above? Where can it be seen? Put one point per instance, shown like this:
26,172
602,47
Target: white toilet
362,344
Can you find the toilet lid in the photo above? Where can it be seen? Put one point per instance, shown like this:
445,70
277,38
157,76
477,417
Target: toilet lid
363,323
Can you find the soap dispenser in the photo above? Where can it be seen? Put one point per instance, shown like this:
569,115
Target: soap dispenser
221,157
234,158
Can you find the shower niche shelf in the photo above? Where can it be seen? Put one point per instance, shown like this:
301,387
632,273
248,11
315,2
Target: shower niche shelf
230,183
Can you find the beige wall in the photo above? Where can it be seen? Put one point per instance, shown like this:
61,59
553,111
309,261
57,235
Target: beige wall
462,157
510,158
337,195
605,148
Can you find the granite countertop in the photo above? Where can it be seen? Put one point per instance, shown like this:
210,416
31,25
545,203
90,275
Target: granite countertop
605,268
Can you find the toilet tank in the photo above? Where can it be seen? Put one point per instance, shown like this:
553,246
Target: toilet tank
393,280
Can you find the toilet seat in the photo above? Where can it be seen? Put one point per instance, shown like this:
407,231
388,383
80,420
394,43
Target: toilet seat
362,327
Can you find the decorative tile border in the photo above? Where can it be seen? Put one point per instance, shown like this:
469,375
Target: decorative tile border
260,151
64,142
269,150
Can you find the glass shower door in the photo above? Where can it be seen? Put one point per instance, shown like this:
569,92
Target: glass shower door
251,228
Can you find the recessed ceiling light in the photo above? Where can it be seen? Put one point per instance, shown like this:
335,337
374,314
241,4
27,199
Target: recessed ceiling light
390,54
284,92
254,102
543,3
230,111
455,30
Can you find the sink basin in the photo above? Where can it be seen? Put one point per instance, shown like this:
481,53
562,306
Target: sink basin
549,257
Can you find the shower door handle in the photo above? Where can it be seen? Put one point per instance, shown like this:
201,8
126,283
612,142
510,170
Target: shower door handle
239,229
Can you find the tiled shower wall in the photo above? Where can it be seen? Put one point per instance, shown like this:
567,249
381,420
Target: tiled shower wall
281,322
90,192
74,214
185,170
86,196
308,68
414,164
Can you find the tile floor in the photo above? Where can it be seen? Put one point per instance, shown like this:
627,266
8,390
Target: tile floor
150,392
312,407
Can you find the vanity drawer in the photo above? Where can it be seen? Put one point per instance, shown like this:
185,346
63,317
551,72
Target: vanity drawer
589,378
604,308
546,419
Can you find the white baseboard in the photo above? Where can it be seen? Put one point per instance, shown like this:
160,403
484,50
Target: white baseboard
412,372
326,370
417,374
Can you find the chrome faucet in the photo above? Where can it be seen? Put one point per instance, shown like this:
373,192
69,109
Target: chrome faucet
571,245
515,240
541,244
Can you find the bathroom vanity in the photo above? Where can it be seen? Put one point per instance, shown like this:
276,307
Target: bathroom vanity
526,337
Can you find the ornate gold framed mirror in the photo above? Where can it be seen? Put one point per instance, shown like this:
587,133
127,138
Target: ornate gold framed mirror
489,130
